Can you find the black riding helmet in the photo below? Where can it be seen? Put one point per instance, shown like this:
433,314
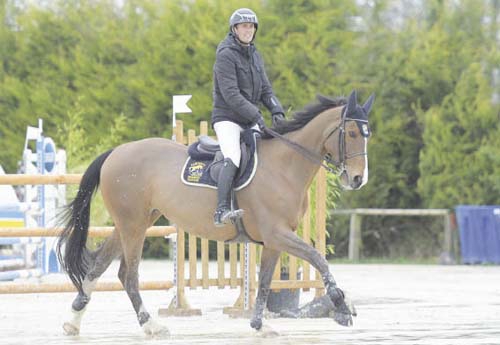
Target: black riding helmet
243,15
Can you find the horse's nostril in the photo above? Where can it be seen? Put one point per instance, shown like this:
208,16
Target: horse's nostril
357,180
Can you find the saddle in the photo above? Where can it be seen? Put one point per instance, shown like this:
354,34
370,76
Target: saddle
202,167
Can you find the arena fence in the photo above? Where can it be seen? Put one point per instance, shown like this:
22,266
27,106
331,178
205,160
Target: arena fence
355,229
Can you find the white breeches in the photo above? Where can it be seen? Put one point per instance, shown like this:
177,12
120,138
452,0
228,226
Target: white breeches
228,135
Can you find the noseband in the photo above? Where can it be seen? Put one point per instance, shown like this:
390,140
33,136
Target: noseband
340,166
343,156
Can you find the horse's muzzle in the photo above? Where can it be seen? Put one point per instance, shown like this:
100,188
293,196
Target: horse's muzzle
350,184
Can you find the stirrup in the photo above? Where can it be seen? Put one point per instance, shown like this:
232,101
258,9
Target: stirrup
224,216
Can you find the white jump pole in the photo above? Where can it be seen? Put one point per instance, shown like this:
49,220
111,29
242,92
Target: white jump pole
179,105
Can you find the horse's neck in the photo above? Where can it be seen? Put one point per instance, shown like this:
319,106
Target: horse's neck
312,136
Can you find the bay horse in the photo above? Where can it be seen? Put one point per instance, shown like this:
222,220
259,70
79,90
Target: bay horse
140,181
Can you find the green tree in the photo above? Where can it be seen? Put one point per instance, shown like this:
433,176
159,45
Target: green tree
415,68
459,164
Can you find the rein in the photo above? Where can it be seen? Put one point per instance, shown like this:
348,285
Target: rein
317,159
312,156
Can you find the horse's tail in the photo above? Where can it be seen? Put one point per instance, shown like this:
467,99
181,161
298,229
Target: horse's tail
75,217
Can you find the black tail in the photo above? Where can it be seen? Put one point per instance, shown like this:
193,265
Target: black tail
75,218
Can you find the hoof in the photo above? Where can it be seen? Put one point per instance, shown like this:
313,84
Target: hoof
70,329
156,330
343,319
267,332
343,308
256,324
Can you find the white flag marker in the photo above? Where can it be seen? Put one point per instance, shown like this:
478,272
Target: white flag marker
32,133
180,105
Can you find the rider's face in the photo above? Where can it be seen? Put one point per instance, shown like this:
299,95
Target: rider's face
245,32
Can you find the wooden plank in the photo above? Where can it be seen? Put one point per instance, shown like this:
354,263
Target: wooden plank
292,267
296,284
181,254
447,244
392,212
192,251
233,264
253,271
214,282
354,237
192,248
242,263
94,231
179,132
204,263
306,236
23,179
321,211
203,128
191,136
17,288
320,221
277,268
220,264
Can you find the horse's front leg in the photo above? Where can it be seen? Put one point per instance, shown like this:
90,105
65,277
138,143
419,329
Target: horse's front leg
287,241
267,264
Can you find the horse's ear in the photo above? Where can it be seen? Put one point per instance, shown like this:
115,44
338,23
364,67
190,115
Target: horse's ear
368,105
351,103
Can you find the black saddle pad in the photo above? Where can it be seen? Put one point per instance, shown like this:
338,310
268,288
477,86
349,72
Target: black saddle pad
201,168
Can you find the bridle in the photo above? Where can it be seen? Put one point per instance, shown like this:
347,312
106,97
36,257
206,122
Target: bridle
340,166
344,157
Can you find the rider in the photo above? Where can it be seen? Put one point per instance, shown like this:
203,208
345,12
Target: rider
240,83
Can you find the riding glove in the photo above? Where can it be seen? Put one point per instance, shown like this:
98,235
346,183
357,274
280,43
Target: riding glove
277,118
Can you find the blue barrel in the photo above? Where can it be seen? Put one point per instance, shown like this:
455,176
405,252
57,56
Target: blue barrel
479,228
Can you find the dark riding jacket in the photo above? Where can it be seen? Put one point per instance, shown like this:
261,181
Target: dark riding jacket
240,83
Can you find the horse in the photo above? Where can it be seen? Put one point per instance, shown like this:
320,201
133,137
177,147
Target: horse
136,192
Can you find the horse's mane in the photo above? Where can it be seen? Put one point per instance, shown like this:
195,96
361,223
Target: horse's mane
301,118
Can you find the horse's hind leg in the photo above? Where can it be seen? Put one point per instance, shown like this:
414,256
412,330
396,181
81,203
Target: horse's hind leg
129,276
286,240
99,262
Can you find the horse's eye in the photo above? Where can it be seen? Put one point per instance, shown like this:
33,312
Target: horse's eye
352,134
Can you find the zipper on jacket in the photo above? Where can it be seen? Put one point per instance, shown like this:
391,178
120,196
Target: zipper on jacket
254,93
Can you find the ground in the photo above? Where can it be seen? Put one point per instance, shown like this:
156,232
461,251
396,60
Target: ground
396,304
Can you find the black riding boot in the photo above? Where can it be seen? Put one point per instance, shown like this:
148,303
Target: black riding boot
223,214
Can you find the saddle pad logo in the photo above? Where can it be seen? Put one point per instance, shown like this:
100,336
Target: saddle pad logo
195,171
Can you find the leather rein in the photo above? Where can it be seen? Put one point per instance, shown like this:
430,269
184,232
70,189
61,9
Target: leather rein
317,159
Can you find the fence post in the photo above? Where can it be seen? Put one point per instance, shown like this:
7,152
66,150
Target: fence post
193,250
179,305
448,255
306,236
354,237
321,187
447,234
